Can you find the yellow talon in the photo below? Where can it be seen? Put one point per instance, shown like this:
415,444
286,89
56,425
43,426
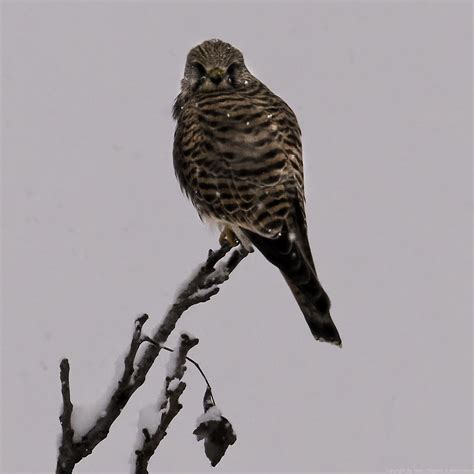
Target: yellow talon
228,237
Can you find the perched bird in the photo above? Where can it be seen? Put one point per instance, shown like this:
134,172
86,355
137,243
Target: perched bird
238,157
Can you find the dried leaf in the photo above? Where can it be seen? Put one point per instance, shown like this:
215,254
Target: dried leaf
215,429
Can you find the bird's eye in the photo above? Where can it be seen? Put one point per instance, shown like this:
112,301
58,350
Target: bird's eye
231,72
200,68
232,69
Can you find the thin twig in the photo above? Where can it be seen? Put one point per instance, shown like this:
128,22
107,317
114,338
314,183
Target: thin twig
66,451
207,279
169,408
147,339
134,345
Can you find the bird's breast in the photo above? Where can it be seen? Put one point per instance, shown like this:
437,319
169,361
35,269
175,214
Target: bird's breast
234,159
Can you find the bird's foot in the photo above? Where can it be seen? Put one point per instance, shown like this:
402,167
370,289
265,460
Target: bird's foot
228,237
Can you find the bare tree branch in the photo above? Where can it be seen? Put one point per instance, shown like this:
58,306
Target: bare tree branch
198,367
202,286
66,450
169,408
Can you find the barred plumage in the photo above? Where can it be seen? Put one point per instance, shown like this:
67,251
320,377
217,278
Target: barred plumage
238,156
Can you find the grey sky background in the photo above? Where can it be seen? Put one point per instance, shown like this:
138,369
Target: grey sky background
95,231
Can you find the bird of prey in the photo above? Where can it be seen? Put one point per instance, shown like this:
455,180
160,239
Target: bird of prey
238,157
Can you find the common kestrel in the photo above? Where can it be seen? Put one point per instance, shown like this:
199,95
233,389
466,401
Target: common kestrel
238,156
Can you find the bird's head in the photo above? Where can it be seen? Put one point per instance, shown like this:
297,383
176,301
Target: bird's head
214,65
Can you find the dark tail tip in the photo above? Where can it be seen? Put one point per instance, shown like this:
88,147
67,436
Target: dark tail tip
316,311
323,329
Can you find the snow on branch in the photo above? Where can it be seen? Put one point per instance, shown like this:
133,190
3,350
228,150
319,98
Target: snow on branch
199,289
169,405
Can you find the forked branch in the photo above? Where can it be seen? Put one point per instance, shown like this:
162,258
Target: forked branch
200,288
169,406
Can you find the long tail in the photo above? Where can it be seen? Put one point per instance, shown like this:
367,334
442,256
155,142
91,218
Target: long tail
293,257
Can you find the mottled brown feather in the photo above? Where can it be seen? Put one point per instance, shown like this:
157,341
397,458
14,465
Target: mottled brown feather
238,156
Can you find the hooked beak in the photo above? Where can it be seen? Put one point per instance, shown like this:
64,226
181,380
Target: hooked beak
216,75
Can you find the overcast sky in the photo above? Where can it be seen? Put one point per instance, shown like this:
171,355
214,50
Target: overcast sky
96,231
